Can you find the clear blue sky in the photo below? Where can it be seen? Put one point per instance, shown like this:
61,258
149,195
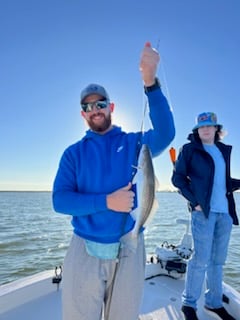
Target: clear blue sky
50,50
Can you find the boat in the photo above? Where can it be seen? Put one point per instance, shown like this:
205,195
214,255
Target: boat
39,296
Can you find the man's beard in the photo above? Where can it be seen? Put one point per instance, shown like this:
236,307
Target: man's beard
106,123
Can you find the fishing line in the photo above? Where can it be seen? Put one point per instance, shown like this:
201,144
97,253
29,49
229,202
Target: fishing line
172,150
165,83
142,128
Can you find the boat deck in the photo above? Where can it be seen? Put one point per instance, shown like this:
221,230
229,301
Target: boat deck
39,299
162,300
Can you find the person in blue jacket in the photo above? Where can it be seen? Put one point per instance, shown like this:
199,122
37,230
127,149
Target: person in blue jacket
202,176
93,185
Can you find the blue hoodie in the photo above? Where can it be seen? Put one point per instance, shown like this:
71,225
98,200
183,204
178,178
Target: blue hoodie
98,165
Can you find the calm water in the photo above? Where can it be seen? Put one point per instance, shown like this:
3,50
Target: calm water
34,238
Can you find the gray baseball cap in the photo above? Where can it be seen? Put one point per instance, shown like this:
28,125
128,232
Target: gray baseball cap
93,89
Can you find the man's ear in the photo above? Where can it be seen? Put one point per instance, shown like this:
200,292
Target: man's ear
82,114
111,106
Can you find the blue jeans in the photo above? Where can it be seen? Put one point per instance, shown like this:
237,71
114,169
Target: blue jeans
210,238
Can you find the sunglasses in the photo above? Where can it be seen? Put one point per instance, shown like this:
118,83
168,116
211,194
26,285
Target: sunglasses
100,104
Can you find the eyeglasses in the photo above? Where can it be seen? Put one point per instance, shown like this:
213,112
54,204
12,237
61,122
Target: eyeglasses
100,104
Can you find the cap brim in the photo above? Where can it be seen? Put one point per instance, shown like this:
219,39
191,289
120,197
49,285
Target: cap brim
207,124
89,94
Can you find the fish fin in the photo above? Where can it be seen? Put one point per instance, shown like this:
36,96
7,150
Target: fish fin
137,173
134,214
134,180
130,241
136,167
157,183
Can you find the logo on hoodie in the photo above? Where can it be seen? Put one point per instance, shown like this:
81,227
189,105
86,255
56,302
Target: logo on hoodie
119,148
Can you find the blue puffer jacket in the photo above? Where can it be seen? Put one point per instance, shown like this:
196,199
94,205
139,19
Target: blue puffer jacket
194,173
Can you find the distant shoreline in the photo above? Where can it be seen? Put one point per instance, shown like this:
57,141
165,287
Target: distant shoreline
159,191
25,191
51,191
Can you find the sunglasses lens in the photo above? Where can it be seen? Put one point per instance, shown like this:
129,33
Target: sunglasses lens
101,104
86,107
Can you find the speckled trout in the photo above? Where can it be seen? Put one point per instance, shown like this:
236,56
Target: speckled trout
145,185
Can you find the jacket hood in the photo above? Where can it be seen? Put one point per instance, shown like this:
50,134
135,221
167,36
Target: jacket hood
191,137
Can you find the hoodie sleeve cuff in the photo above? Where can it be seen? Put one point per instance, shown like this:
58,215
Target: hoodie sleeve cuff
155,86
101,202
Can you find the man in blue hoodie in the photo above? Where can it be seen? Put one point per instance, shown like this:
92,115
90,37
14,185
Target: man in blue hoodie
93,185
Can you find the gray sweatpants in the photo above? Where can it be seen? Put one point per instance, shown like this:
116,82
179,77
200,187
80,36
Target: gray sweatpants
88,287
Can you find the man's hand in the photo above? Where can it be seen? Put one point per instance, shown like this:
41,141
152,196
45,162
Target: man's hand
122,199
148,64
198,208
